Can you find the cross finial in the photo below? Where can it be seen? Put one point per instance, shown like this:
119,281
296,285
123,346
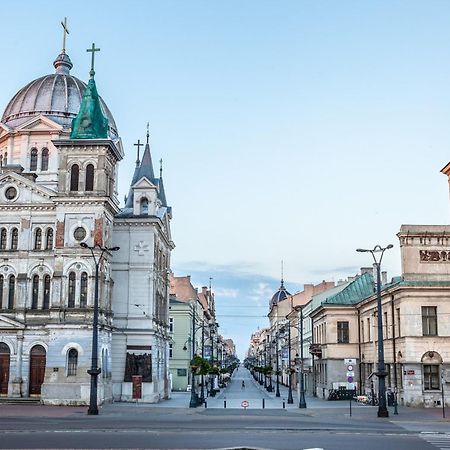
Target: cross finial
138,145
282,275
65,32
93,50
160,168
148,132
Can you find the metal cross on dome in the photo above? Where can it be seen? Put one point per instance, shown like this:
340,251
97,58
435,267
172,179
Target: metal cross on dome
65,33
141,247
92,50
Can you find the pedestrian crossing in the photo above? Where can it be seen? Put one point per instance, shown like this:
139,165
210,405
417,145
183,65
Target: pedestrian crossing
438,440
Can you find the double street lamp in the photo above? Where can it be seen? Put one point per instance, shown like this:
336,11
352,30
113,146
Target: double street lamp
381,372
94,371
298,360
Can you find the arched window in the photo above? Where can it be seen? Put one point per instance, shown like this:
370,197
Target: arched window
1,291
144,207
74,177
44,160
49,239
89,177
11,291
72,362
14,238
46,304
3,239
38,239
83,290
71,299
35,292
33,159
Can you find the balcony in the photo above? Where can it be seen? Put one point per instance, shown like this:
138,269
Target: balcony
316,350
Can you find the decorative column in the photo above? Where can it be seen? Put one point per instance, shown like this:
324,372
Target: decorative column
16,385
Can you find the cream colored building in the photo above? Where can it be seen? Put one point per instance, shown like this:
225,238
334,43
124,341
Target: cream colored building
416,330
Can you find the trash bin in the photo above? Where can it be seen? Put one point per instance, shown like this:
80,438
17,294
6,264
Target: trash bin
390,399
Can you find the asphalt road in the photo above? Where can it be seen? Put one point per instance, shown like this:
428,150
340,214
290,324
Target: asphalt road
157,427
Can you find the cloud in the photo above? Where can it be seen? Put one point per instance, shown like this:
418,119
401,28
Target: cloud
227,292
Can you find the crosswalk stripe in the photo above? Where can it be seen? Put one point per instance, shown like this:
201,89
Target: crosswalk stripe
441,441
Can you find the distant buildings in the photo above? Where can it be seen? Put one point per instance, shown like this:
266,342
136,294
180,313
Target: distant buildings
340,323
193,328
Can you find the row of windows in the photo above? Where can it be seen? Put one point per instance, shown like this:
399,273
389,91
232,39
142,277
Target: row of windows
429,324
71,359
37,285
14,239
431,376
34,159
429,327
75,178
34,154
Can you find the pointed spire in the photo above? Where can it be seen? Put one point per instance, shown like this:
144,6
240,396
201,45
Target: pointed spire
160,168
282,276
90,122
146,169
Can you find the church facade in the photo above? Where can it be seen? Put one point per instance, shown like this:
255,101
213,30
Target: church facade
59,156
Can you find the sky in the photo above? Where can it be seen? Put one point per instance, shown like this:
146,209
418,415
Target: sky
289,130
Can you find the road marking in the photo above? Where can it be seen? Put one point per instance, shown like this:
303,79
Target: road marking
439,440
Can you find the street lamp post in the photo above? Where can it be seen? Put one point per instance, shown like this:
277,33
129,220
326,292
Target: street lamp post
290,398
381,372
94,371
270,387
202,392
302,400
277,393
194,398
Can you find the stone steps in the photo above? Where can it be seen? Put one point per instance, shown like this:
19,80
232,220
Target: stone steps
19,401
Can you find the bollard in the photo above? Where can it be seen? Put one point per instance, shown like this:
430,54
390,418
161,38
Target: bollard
350,407
284,404
225,404
206,404
264,403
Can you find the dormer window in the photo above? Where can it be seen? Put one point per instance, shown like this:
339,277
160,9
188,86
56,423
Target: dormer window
144,207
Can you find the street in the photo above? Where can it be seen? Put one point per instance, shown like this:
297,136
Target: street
171,425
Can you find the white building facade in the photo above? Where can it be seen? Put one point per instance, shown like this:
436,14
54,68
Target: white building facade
57,191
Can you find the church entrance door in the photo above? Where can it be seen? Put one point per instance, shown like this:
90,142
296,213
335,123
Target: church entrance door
4,368
37,369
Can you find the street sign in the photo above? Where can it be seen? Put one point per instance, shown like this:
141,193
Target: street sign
350,374
350,361
244,404
350,368
350,379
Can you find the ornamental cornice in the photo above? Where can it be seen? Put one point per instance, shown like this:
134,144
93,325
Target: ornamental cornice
27,207
128,223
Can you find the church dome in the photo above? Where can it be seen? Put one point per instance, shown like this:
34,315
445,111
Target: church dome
56,96
280,295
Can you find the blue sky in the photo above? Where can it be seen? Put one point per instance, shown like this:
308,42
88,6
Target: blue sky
294,130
